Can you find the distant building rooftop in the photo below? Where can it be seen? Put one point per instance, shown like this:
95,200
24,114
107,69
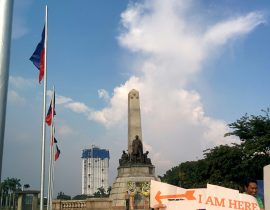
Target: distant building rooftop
95,152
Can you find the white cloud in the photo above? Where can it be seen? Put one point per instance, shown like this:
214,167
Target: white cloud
110,116
15,98
171,52
21,83
77,107
174,123
103,94
69,103
59,99
62,99
19,26
64,131
221,32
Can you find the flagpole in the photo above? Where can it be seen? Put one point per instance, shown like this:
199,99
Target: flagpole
49,197
52,187
50,170
52,147
44,115
6,8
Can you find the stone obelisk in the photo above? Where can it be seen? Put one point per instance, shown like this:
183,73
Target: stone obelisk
134,118
135,169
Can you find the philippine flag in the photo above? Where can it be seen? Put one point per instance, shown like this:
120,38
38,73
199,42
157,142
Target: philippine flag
49,116
53,141
57,153
38,57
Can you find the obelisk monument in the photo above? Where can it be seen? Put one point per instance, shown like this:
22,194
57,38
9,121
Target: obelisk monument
135,170
134,118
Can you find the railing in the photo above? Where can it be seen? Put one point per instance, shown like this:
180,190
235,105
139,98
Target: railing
88,204
73,204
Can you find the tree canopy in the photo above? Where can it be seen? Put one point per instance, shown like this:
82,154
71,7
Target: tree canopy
9,188
229,165
63,196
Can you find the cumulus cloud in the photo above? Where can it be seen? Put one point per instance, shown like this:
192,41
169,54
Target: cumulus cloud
77,107
64,131
175,126
16,85
19,26
62,99
21,83
103,94
59,99
171,52
69,103
15,98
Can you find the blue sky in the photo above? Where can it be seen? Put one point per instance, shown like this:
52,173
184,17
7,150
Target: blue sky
198,66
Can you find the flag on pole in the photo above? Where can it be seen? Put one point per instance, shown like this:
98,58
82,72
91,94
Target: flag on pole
51,111
57,153
54,141
38,57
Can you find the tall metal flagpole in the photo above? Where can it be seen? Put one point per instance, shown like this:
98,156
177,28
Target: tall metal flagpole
49,197
52,154
50,170
6,8
42,172
52,186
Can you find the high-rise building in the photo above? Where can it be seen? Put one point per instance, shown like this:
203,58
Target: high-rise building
95,169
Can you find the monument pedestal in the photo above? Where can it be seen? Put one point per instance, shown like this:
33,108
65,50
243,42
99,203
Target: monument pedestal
134,178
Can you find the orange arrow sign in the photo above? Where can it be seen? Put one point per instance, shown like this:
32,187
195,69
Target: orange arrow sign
188,195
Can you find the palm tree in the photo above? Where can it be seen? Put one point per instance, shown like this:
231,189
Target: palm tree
9,187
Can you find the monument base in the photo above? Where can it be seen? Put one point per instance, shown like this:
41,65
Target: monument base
134,178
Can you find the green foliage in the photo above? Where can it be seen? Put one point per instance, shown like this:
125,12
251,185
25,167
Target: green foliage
101,193
251,128
10,185
225,165
63,196
8,189
229,165
80,197
254,133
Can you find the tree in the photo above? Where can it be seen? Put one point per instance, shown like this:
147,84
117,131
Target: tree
254,133
226,166
26,186
80,197
229,165
252,128
9,187
63,196
100,193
